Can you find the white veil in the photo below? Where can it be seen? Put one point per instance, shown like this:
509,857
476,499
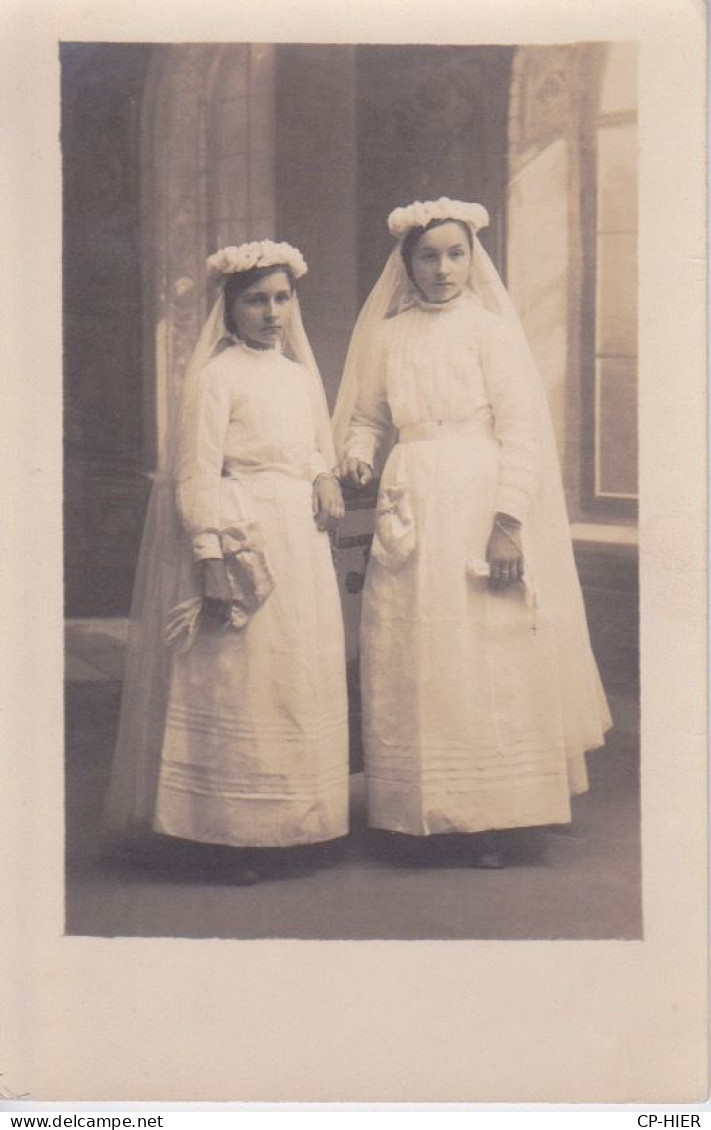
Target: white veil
165,573
547,531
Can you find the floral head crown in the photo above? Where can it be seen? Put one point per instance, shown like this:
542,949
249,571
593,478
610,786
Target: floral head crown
418,215
260,253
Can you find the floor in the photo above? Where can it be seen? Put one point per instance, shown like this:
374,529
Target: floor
576,882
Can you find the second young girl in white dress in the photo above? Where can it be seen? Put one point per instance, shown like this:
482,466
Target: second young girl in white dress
480,691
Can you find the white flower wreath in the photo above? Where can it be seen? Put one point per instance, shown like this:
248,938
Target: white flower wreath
419,214
259,253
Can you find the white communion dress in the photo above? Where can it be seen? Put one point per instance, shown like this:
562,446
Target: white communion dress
478,704
255,742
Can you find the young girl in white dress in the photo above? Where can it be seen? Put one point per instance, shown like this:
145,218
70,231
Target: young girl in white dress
234,722
480,690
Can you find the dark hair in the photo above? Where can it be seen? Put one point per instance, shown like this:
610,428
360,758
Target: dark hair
236,283
414,235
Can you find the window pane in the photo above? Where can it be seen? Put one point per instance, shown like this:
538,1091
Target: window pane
619,87
617,294
617,179
538,259
616,438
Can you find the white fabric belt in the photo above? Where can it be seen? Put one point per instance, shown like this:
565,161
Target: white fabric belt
436,429
234,469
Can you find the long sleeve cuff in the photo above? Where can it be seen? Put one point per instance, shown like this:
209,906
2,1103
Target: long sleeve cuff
512,500
206,545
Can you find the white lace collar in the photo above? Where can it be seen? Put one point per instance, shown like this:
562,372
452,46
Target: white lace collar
439,307
253,349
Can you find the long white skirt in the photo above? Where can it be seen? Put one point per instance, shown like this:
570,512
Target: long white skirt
255,750
478,705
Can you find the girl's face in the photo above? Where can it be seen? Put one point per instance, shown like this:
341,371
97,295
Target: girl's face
440,262
262,311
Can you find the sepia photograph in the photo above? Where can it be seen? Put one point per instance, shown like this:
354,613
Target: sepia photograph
374,677
354,599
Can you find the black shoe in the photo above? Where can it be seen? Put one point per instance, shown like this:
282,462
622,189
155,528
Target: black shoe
490,851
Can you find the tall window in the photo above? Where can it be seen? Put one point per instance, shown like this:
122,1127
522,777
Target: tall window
610,454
